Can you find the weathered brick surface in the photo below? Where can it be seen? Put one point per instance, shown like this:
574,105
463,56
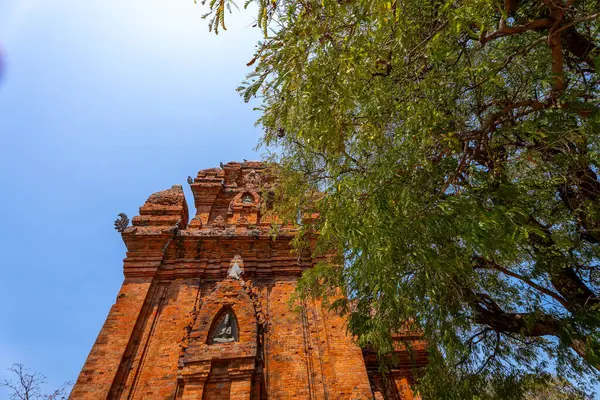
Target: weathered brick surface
287,360
101,366
156,366
155,343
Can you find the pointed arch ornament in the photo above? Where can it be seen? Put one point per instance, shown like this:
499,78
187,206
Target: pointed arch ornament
224,343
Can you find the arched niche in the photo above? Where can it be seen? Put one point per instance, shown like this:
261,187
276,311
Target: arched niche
225,328
206,366
244,208
247,198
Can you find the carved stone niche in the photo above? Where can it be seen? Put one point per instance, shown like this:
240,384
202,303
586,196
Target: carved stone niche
244,208
222,349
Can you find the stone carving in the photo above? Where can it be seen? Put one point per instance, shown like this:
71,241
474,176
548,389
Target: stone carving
226,331
247,198
236,267
219,222
121,222
252,180
235,271
190,180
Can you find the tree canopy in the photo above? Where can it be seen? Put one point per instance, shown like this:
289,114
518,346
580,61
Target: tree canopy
456,147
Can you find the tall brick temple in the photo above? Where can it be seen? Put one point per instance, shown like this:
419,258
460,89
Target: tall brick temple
203,311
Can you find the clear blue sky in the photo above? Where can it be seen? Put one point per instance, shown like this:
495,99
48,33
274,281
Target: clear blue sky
102,102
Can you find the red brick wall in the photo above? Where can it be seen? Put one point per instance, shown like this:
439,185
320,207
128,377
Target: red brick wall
218,386
154,367
101,366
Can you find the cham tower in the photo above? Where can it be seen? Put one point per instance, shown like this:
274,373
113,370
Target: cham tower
203,312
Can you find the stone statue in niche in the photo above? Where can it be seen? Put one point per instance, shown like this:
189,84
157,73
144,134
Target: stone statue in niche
227,329
247,199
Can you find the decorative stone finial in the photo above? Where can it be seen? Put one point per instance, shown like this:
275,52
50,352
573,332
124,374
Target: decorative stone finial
235,271
236,268
121,223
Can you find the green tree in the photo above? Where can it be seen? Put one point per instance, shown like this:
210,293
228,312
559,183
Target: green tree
552,388
456,146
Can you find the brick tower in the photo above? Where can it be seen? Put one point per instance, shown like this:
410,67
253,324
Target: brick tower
203,311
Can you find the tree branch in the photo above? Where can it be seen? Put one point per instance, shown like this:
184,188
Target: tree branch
504,30
486,264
